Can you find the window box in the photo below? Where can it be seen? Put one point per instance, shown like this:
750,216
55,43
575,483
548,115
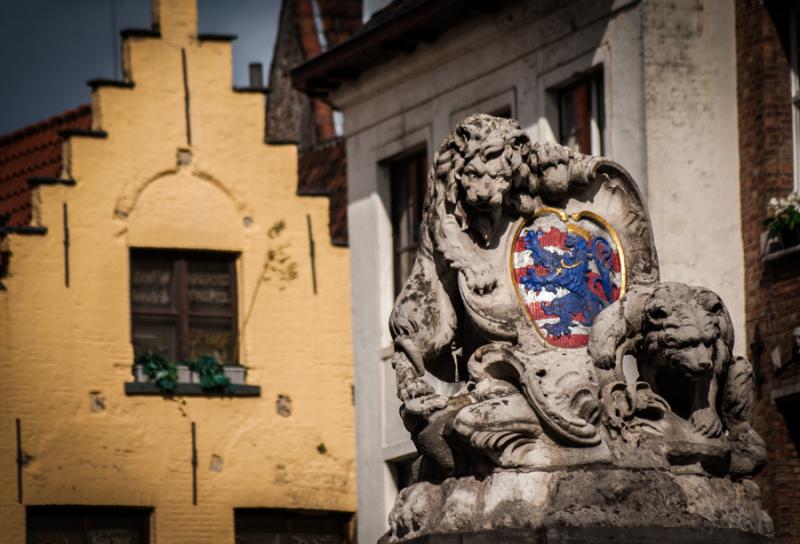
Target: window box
184,375
236,374
191,389
779,245
789,238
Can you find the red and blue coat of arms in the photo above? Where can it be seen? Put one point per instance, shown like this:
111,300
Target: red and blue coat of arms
566,270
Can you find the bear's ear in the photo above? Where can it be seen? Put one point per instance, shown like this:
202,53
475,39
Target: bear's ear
712,303
656,311
708,300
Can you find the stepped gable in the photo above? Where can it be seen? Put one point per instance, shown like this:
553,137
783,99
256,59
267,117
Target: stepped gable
33,152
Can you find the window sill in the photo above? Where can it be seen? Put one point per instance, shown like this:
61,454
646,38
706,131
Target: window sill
191,389
786,394
780,254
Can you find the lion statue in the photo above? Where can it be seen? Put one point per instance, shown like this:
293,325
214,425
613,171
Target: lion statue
486,174
682,339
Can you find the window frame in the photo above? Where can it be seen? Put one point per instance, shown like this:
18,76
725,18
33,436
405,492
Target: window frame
794,74
401,247
594,81
181,315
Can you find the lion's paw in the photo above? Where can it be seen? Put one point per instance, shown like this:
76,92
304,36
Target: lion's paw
416,388
707,422
425,406
480,279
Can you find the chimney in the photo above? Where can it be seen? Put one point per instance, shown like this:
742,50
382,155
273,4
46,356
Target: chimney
256,75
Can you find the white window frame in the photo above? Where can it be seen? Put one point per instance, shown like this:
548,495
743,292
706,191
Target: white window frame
596,137
551,81
795,87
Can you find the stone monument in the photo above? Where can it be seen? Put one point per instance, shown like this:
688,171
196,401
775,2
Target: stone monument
555,388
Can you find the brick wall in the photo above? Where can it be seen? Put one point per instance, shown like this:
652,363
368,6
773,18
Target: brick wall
772,289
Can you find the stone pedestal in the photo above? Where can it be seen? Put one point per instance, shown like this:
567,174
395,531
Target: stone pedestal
585,506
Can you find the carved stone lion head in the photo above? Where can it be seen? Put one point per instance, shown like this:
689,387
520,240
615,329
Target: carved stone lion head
481,163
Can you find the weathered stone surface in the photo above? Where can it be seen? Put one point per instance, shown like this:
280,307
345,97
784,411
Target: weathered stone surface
593,505
536,278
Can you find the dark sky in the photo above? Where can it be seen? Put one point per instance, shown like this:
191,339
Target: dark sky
50,48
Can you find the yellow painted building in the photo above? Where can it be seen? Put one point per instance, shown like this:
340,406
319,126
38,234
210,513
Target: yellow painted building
175,162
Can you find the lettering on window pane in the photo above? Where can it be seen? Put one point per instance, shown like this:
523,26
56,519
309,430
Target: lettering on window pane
209,287
112,537
315,539
56,537
152,285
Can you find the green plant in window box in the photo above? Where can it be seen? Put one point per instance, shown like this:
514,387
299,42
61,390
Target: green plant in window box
211,372
784,225
162,372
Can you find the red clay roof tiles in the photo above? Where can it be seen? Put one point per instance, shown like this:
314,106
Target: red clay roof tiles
34,151
322,170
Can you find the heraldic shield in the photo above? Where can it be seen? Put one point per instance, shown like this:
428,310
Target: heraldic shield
566,270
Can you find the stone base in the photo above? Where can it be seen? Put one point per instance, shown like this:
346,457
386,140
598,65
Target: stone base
599,535
580,507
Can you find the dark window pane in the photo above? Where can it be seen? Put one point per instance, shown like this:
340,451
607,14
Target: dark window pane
46,536
504,112
580,114
408,187
82,525
113,536
209,286
263,526
402,472
320,524
568,119
211,337
152,285
259,536
155,336
308,538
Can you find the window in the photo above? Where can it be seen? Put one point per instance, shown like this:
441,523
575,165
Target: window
263,526
402,471
408,187
581,118
87,525
504,112
795,73
183,304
